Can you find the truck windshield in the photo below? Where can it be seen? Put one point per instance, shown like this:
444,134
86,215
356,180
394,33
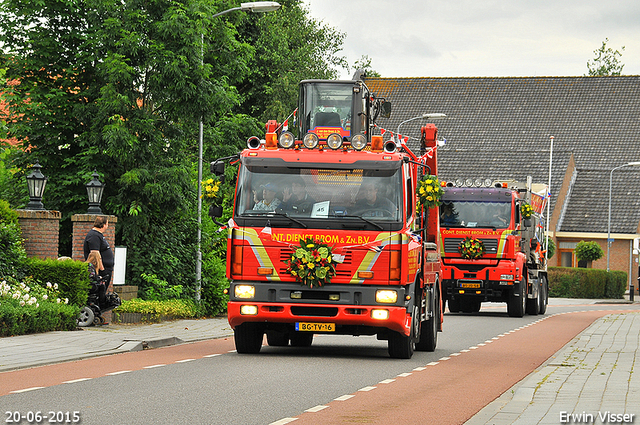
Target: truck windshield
475,214
320,193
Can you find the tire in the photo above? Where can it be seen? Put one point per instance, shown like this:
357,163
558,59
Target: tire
429,328
248,338
454,305
517,300
533,305
544,299
301,339
85,317
277,339
401,346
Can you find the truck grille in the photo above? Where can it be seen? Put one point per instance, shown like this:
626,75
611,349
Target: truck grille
314,311
451,245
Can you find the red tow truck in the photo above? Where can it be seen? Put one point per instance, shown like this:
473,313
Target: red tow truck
341,202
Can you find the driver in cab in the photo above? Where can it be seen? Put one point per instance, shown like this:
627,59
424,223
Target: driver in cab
372,204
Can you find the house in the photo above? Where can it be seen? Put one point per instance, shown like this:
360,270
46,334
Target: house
501,128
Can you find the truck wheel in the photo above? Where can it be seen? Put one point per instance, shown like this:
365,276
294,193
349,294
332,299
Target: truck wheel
533,306
400,346
429,328
454,305
544,298
248,338
301,339
277,339
517,300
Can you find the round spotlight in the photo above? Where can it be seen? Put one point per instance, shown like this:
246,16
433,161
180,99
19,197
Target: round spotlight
334,141
310,141
358,142
468,182
390,146
477,183
287,140
459,182
253,142
487,182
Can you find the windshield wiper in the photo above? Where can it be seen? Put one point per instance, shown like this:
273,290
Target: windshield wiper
373,223
262,213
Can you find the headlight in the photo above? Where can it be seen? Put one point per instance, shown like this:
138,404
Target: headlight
287,140
358,142
248,310
244,291
386,296
310,141
334,141
379,314
506,277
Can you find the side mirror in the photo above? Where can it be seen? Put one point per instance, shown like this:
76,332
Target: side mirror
215,211
385,109
217,168
527,222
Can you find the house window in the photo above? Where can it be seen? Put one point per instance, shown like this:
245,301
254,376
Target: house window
567,258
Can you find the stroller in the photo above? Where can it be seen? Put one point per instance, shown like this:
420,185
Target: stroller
91,314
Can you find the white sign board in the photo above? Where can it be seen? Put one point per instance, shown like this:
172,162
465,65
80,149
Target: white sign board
120,266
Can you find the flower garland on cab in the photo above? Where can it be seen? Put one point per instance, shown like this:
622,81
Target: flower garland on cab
471,248
312,264
526,210
430,192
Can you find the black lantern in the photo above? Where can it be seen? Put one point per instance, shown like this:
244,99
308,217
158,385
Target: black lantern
36,181
94,191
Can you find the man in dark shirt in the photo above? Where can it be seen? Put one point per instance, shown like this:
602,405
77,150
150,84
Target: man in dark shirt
96,241
295,198
373,205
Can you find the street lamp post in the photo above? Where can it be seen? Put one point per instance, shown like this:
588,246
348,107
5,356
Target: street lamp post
630,164
434,116
36,182
256,7
94,191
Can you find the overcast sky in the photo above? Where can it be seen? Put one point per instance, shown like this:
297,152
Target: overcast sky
483,38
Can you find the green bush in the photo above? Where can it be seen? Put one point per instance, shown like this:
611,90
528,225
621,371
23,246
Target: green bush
13,253
71,276
29,307
588,251
568,282
155,310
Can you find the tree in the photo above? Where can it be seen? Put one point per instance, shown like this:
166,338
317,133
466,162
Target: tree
364,63
120,87
588,251
606,61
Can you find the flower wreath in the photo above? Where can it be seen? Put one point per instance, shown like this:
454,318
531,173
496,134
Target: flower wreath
471,248
526,210
312,264
430,191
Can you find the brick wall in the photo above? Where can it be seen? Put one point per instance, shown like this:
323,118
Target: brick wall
40,231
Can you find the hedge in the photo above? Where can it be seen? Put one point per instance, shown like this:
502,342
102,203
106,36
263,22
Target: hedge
569,282
71,276
48,316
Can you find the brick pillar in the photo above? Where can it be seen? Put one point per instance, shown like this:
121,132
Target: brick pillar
41,232
82,223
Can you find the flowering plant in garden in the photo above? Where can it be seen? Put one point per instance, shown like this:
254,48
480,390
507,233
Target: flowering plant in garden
29,293
312,264
526,210
210,189
430,191
471,248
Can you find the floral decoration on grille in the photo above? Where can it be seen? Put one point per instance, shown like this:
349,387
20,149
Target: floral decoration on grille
471,248
312,264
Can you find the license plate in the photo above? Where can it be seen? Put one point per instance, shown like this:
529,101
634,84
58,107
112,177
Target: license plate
470,285
315,327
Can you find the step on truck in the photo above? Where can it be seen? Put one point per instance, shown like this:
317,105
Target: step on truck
325,236
492,246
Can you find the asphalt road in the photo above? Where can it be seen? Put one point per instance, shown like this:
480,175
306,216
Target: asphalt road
208,383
